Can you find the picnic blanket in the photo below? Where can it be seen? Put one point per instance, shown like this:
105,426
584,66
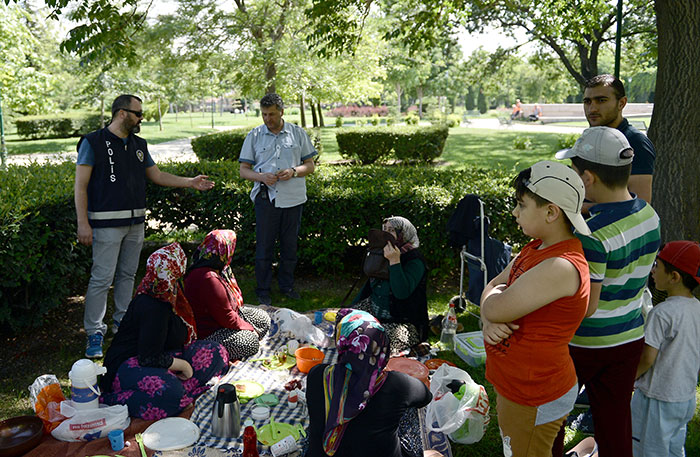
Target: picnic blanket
273,381
209,445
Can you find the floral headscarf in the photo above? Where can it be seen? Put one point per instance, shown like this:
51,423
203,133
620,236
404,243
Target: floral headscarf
164,269
216,252
405,232
363,352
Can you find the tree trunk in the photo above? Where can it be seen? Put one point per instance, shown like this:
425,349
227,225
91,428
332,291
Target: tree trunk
320,115
399,91
102,112
191,123
302,113
313,114
270,75
675,122
160,117
419,92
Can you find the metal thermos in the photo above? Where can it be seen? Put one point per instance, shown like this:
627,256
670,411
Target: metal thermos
226,416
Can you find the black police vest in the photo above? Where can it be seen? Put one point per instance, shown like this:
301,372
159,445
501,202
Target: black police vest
117,187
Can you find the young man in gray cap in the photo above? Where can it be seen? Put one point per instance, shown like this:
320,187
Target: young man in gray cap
620,252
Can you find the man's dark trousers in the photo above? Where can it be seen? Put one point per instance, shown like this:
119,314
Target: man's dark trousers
270,224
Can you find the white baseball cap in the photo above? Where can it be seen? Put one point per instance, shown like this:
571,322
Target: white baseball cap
603,145
562,186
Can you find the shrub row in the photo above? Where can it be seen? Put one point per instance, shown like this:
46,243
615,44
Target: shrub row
227,145
58,126
41,262
409,144
358,111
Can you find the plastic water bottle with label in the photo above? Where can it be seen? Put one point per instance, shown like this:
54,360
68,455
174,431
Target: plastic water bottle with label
449,328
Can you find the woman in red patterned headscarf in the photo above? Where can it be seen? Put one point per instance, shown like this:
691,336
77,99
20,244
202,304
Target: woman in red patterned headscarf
155,365
216,299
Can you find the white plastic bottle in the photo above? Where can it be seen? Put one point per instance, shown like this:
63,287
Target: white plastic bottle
83,379
449,328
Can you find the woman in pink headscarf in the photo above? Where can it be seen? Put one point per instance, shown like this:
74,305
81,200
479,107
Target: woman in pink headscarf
355,406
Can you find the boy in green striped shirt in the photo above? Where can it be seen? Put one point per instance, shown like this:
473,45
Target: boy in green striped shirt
620,251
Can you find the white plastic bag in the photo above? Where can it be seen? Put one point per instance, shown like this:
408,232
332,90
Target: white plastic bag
300,327
90,424
462,420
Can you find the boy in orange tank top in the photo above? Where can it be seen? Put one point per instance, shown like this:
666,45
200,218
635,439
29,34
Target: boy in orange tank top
532,309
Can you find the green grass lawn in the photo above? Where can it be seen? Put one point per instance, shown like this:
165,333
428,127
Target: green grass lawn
174,127
464,147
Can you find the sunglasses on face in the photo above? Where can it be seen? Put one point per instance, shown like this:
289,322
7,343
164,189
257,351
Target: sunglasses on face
135,113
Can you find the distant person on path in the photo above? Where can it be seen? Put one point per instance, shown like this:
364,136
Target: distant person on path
536,113
276,156
517,110
603,101
110,203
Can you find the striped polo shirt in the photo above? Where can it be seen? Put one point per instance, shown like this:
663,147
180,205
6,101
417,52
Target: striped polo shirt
620,251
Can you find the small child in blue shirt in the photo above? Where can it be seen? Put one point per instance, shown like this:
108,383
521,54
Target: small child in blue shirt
667,376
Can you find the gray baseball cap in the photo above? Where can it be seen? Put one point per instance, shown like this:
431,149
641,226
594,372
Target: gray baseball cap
562,186
603,145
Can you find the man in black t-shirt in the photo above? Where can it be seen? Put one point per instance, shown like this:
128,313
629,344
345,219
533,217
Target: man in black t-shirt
603,102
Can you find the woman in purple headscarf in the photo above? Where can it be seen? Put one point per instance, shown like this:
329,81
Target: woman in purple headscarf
354,405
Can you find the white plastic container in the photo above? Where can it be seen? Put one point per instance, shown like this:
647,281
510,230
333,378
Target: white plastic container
284,446
84,391
470,348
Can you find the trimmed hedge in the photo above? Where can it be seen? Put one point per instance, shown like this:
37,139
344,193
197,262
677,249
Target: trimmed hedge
65,125
219,146
227,145
343,203
41,262
40,259
408,144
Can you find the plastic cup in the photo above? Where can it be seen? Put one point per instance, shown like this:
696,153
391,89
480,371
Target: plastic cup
116,439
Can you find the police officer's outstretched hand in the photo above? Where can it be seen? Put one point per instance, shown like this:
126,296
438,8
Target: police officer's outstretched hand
202,182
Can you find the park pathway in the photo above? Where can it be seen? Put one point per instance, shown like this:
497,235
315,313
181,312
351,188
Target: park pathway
181,150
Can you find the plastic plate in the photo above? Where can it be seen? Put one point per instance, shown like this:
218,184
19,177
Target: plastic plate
247,390
170,434
280,429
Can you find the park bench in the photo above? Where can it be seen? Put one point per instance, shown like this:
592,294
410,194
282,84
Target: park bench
505,121
640,125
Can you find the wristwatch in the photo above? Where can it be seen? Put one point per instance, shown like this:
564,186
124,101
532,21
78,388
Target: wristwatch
295,174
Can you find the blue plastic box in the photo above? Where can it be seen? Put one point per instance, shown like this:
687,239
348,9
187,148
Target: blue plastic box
470,348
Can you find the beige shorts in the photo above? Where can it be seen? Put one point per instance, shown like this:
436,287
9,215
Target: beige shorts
521,437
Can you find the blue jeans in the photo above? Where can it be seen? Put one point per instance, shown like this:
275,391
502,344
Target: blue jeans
272,224
115,257
659,427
